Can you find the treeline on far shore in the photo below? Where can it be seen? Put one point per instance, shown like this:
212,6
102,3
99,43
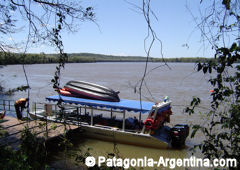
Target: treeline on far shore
18,58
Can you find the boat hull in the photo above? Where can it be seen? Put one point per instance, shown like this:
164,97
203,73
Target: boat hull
89,91
130,138
114,134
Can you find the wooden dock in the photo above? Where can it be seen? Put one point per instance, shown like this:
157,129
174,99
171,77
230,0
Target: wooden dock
12,128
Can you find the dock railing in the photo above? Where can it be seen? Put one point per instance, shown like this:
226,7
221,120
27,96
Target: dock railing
7,105
13,127
78,114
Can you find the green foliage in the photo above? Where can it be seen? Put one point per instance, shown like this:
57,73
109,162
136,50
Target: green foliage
34,149
11,159
195,102
183,59
223,131
16,58
3,132
30,155
12,91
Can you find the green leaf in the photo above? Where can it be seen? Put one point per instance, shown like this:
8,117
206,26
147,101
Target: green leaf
195,129
210,69
227,4
199,66
233,47
205,68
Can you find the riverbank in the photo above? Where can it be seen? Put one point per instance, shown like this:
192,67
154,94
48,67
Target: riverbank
42,58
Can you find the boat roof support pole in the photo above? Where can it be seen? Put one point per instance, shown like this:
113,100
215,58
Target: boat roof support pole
4,105
9,105
78,116
35,109
124,115
45,108
111,113
140,116
155,114
80,113
91,116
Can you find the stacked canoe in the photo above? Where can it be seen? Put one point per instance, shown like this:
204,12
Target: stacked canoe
88,90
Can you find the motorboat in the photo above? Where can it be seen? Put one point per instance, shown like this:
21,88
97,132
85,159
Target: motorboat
108,121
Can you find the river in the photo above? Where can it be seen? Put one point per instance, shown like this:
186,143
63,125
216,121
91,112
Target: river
179,81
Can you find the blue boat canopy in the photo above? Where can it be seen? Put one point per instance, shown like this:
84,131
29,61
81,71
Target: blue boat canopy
124,104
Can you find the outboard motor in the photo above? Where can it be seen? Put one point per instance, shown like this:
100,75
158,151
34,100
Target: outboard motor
179,134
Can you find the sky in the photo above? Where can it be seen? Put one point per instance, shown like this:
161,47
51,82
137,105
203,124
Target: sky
121,30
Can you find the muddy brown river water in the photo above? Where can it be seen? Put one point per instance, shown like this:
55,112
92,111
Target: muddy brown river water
180,83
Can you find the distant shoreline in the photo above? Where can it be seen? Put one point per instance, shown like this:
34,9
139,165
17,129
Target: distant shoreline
18,58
